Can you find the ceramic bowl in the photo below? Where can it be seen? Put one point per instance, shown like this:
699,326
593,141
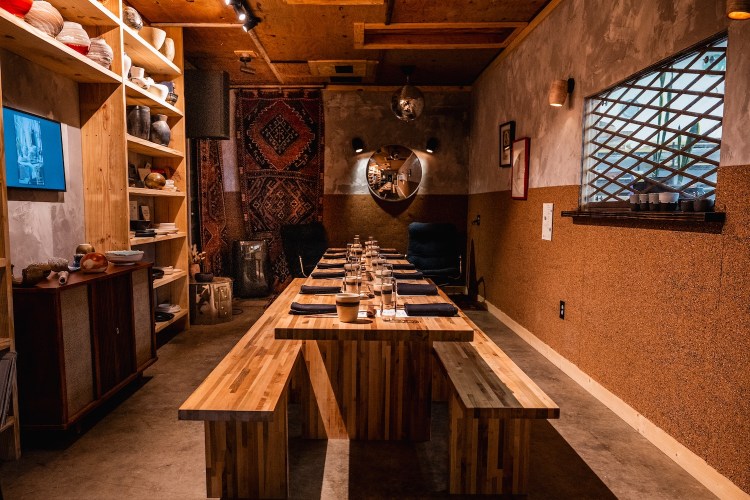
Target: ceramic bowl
137,72
154,36
669,197
94,262
159,90
85,248
124,257
44,17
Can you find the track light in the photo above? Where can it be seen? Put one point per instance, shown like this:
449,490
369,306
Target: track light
233,2
432,145
251,23
358,145
240,11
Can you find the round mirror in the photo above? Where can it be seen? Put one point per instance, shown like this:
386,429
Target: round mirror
394,173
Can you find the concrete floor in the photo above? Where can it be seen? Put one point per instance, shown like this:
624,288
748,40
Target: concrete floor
137,448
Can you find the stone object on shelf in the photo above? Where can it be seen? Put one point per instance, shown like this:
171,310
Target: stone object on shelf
100,52
132,18
155,180
167,49
94,262
46,18
16,7
160,132
139,122
74,36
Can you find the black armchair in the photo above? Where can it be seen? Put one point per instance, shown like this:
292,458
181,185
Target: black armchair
304,245
436,249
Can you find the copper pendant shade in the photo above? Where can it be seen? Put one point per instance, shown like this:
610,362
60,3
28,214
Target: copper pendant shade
407,103
738,9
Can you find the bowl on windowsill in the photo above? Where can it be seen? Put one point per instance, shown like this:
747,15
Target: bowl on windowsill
204,277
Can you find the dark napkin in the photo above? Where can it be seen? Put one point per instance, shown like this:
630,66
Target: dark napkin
327,274
334,255
408,276
336,250
391,256
388,250
403,267
416,289
298,308
330,265
311,289
443,309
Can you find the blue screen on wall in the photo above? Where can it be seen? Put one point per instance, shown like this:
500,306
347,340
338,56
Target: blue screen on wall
33,152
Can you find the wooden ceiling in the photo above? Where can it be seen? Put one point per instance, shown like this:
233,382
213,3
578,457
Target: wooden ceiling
302,42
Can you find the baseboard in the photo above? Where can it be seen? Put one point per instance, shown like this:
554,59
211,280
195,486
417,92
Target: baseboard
694,465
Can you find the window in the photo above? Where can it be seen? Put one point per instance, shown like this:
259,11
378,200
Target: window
658,131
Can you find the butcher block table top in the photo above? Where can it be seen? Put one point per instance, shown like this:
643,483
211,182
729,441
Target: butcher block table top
405,328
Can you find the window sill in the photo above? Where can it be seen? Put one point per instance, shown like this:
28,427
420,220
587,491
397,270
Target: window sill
646,217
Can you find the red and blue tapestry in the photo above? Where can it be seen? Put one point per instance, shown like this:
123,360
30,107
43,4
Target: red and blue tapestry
213,217
280,149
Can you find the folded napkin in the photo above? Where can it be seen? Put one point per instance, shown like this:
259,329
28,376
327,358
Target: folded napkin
391,256
336,250
334,255
298,308
416,289
330,265
388,250
408,276
403,267
443,309
327,274
311,289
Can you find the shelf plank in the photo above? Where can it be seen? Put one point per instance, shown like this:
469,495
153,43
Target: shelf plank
4,343
85,12
167,279
10,421
157,193
158,239
646,216
146,56
137,96
178,316
3,262
28,42
149,148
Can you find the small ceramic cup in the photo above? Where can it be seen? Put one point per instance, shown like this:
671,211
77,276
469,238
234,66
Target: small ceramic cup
347,307
653,201
137,72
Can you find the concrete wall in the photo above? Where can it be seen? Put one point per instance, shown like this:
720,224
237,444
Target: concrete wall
45,224
658,315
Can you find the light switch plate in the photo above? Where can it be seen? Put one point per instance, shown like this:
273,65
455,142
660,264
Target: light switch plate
547,215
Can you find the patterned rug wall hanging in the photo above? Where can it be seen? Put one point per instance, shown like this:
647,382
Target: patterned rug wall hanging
280,149
213,217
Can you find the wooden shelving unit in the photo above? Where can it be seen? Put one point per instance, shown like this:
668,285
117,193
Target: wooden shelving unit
177,317
167,279
103,97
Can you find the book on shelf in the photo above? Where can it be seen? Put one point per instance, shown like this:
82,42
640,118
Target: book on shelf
7,375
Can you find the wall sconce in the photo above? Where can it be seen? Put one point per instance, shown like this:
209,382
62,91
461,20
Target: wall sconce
358,145
559,90
432,145
738,10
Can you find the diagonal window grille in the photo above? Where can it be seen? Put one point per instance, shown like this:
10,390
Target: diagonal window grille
659,130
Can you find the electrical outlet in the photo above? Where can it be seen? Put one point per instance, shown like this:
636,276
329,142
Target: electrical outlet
562,309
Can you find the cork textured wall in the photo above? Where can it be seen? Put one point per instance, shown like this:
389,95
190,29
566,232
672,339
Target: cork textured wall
659,316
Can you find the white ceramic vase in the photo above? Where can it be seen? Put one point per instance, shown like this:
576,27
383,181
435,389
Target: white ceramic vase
126,64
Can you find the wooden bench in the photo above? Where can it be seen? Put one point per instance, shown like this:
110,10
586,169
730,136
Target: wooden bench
490,405
244,405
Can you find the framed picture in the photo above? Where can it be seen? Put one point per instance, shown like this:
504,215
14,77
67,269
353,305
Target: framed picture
33,151
507,136
519,186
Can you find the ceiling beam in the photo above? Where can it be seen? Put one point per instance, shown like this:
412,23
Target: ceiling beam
264,55
428,36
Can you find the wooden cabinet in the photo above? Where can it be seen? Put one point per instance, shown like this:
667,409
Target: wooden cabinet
81,343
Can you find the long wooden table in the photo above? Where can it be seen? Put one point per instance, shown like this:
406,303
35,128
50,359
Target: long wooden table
369,380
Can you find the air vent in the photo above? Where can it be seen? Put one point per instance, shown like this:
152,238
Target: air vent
337,68
436,35
344,69
346,79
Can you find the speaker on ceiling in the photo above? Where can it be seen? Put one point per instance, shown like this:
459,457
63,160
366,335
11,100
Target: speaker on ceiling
207,104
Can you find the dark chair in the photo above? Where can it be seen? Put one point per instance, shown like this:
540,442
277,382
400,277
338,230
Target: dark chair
435,249
304,245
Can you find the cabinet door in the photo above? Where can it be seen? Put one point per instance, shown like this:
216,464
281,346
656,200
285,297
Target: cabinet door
113,330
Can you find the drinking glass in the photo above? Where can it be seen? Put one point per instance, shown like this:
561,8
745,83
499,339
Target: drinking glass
388,297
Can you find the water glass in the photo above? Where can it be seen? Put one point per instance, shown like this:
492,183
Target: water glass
352,284
388,297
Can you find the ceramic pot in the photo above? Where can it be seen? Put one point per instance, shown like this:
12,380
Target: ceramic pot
127,62
75,37
139,122
44,17
154,36
100,52
155,180
194,269
159,90
168,49
16,7
132,18
204,277
160,132
85,248
94,263
172,98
